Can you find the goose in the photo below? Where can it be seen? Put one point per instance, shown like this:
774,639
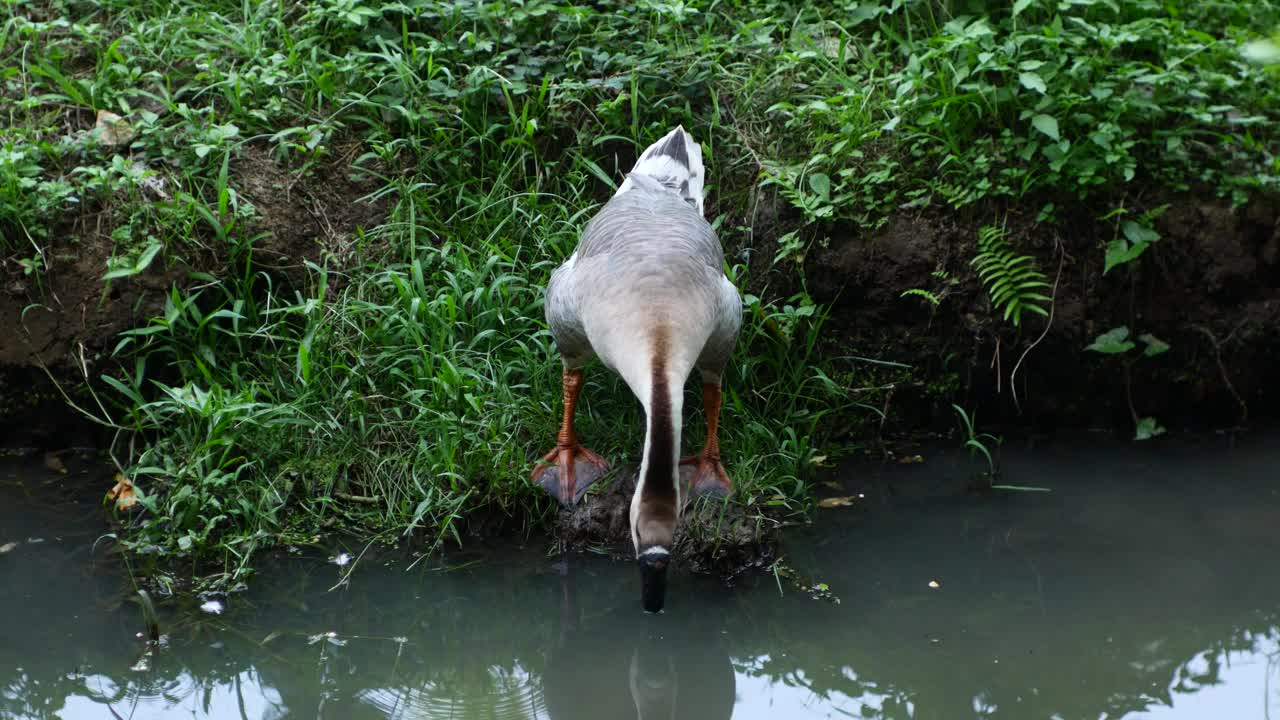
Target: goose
645,292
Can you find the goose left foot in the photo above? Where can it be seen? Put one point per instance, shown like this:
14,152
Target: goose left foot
574,467
574,471
702,474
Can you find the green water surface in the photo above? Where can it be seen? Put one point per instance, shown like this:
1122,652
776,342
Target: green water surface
1145,585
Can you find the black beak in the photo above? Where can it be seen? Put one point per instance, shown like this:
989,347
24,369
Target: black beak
653,581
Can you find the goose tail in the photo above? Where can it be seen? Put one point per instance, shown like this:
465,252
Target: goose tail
675,163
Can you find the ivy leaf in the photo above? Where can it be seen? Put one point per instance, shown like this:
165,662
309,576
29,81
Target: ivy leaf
1147,429
1033,81
1155,346
1120,252
1113,342
1048,125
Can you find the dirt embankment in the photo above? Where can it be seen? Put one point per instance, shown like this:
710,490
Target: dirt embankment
67,322
1210,288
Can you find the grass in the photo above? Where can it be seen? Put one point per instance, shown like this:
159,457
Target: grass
405,378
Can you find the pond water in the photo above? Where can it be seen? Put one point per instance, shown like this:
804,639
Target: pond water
1144,585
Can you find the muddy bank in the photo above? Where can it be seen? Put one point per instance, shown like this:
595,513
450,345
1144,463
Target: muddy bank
712,537
1210,288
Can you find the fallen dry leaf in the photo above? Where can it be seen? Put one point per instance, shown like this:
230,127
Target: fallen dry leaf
911,459
835,502
7,547
123,493
112,130
934,584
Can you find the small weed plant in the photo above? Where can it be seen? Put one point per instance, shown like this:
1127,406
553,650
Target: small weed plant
1116,342
977,443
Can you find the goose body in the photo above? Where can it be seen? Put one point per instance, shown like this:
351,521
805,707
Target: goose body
646,293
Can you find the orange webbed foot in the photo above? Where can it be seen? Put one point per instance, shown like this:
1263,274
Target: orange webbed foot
704,475
573,471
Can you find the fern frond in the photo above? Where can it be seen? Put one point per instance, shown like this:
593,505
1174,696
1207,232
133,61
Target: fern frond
932,298
1011,279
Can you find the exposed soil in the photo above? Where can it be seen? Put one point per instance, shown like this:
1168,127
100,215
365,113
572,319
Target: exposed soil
1210,287
69,321
301,220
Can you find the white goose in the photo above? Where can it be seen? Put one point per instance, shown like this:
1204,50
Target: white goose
645,291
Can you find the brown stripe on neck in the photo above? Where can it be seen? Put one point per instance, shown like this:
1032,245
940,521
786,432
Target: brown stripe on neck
659,483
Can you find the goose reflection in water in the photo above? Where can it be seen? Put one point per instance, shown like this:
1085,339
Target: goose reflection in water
624,664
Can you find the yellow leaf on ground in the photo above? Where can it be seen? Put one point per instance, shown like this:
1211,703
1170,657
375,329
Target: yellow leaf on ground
113,131
123,493
835,502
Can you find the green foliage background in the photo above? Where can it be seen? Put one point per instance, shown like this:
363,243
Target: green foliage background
411,369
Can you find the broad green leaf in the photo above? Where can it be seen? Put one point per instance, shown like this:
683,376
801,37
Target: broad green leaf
821,185
1019,6
1120,252
1155,346
1137,233
1147,429
1048,125
1113,342
1033,81
1262,52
